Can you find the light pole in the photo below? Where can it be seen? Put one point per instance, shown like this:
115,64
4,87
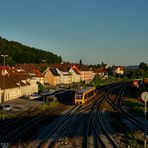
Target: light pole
4,56
43,62
144,97
43,94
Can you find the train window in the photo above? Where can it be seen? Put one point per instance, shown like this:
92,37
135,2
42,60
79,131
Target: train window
79,96
90,94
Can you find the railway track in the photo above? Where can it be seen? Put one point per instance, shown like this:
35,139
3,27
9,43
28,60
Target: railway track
122,110
15,134
119,107
63,126
66,124
94,128
32,110
89,116
105,139
19,118
108,138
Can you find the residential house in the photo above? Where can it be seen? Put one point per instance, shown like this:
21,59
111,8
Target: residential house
15,84
75,75
102,72
65,75
63,71
119,70
38,76
32,71
51,77
9,87
86,73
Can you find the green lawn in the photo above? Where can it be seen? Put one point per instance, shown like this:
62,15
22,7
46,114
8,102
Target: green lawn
136,106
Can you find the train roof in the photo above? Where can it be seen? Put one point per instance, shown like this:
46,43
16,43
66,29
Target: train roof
86,89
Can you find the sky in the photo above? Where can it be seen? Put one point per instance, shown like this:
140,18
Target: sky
111,31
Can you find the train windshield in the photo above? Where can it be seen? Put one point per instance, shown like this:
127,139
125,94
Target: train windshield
79,95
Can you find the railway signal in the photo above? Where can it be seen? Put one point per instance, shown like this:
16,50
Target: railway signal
144,97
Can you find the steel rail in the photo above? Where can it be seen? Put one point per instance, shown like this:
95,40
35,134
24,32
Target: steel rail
117,104
26,126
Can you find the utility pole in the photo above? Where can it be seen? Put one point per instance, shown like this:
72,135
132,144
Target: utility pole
4,56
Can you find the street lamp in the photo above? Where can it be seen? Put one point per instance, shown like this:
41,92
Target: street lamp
42,69
43,62
4,56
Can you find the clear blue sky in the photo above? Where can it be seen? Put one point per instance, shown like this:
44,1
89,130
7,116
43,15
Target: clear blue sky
96,31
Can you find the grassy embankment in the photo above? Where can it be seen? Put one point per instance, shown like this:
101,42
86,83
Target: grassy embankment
112,80
136,107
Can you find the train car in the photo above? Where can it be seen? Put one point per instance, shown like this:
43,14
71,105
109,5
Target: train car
82,96
145,81
66,97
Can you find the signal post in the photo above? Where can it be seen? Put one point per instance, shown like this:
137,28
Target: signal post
144,97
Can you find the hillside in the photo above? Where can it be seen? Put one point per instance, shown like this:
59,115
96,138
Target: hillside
19,53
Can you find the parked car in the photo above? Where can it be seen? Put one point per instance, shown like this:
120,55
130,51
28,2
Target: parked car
25,97
7,107
35,96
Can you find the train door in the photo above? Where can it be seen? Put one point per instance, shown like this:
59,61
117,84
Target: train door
85,98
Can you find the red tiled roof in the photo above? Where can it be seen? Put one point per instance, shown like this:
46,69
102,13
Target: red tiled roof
75,70
62,67
11,81
82,67
99,70
37,73
8,82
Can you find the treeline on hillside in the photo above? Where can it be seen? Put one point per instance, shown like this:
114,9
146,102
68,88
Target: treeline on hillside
141,71
19,53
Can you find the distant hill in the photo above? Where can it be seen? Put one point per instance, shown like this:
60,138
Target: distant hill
19,53
132,67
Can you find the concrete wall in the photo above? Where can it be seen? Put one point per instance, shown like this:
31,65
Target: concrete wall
13,93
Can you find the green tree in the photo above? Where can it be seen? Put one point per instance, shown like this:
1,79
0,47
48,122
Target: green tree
143,68
40,87
11,62
80,62
97,80
20,53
